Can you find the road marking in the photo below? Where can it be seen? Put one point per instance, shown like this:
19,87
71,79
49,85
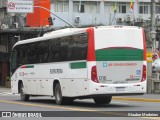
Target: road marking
151,118
75,109
47,106
7,93
65,108
120,103
136,99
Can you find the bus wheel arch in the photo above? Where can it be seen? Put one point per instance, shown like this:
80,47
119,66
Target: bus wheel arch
54,85
19,85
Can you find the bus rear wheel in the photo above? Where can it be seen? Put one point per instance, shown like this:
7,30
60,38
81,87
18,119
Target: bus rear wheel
24,97
60,100
102,100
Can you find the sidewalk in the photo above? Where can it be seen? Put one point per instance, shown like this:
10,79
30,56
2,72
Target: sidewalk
4,89
145,96
139,98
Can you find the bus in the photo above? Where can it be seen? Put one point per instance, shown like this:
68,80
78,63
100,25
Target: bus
79,63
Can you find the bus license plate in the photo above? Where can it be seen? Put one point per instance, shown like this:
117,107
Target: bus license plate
119,89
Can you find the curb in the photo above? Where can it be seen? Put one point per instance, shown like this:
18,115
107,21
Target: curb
136,99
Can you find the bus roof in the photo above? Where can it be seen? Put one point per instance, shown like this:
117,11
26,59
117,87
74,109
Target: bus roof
68,31
53,34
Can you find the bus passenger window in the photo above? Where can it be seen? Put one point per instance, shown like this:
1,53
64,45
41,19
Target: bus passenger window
13,61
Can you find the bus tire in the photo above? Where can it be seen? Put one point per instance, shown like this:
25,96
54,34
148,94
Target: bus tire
60,100
24,97
102,100
69,100
58,95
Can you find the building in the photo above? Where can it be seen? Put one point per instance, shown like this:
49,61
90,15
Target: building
13,27
87,12
102,12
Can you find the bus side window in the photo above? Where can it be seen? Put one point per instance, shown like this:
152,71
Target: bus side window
46,57
84,52
69,54
18,57
29,58
57,57
13,61
46,52
64,53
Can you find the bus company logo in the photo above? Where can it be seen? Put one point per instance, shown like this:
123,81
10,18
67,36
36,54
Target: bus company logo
6,114
105,64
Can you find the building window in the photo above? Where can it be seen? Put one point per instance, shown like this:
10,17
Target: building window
3,40
79,7
92,7
144,8
76,7
82,8
61,6
158,8
109,8
121,8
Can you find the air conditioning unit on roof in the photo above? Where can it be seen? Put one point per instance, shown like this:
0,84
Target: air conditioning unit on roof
119,20
138,19
77,19
128,18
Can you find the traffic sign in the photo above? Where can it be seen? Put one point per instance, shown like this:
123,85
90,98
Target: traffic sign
20,6
11,5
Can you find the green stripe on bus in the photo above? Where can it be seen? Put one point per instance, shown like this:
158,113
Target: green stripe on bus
77,65
30,66
121,54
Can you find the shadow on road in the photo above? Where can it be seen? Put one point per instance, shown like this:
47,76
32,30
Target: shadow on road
83,104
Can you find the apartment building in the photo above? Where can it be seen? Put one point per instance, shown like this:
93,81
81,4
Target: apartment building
102,12
90,12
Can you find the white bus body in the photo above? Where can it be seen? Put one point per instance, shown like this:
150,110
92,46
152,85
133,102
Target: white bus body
102,62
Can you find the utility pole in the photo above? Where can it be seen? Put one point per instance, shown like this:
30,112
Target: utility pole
153,23
152,46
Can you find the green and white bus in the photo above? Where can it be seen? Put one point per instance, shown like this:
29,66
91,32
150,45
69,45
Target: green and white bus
78,63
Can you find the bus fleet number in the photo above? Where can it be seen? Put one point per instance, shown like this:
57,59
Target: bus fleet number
102,78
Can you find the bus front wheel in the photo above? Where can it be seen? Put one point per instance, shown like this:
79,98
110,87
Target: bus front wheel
24,97
102,100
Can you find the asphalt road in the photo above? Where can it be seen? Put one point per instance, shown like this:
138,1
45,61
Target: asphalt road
9,102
